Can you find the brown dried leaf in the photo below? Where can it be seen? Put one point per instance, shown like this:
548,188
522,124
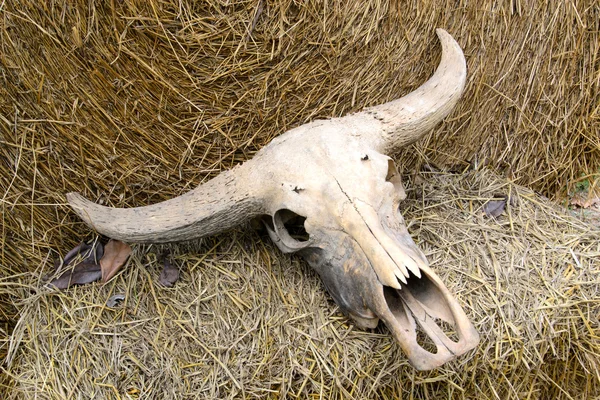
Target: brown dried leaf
115,255
169,274
494,208
584,200
82,253
84,272
91,253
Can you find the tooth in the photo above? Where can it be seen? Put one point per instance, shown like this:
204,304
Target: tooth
394,284
412,266
388,278
400,275
401,268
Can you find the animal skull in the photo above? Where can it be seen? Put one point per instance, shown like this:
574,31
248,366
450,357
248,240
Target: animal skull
332,177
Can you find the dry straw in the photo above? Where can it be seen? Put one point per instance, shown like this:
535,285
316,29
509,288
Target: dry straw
246,321
132,102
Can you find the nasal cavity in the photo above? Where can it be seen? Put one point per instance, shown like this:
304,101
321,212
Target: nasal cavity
292,223
425,341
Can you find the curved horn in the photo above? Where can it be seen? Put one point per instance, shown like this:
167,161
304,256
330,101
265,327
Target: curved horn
213,207
407,119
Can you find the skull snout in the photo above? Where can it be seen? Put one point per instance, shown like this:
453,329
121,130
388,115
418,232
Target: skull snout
387,277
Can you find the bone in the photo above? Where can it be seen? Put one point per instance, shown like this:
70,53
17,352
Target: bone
388,278
402,251
407,119
237,195
386,269
428,324
401,311
388,272
410,263
231,198
400,275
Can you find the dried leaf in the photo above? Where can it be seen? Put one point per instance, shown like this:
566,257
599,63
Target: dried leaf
494,208
82,253
91,253
169,274
583,200
81,247
115,300
84,272
115,255
98,253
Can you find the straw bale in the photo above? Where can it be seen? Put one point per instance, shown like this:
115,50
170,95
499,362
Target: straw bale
133,102
244,321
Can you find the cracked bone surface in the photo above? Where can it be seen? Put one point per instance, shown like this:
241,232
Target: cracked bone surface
328,191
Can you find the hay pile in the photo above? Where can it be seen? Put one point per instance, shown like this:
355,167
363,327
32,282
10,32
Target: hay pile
132,102
245,321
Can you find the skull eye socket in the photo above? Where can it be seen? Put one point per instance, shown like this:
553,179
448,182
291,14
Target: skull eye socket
290,228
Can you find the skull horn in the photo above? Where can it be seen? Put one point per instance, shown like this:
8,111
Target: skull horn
405,120
220,204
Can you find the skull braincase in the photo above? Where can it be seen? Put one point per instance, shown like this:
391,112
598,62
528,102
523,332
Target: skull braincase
328,191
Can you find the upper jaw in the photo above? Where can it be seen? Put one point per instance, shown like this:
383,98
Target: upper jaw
405,292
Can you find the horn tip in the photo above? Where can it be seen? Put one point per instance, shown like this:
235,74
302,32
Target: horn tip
451,48
75,199
80,205
443,35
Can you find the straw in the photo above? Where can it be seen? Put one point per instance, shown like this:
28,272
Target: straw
131,103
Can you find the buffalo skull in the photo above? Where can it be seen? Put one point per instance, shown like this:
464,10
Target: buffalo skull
333,180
